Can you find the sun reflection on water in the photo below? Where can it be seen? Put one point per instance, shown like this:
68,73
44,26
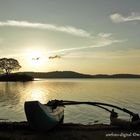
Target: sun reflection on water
37,94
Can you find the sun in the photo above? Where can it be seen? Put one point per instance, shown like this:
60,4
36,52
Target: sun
35,59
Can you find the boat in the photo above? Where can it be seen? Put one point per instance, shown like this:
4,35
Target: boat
47,116
43,117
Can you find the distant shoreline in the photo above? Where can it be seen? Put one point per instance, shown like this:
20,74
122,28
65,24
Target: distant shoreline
29,76
76,75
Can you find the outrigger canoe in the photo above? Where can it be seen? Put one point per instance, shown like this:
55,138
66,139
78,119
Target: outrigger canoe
43,117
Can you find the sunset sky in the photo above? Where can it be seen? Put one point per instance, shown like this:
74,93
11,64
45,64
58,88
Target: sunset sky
87,36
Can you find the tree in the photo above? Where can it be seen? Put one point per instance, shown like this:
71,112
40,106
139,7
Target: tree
7,65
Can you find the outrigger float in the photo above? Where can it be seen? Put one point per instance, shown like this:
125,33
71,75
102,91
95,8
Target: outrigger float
47,116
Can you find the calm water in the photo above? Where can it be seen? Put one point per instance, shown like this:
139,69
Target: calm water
121,92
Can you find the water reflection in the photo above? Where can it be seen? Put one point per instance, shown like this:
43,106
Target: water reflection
117,92
36,94
8,94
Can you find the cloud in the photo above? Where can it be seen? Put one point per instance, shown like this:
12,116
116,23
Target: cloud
65,29
106,39
105,35
55,57
117,18
100,40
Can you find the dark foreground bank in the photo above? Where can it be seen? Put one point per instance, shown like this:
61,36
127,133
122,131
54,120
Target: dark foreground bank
22,131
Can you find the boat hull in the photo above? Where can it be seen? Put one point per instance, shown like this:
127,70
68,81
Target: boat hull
43,117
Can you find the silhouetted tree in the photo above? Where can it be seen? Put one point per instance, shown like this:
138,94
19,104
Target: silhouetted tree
7,65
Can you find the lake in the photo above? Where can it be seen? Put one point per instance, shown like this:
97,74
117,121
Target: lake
121,92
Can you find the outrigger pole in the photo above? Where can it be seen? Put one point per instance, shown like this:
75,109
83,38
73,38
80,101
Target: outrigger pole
98,104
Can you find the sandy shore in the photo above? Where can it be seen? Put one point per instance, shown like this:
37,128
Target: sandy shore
21,131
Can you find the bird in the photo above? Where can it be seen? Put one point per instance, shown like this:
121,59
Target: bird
37,58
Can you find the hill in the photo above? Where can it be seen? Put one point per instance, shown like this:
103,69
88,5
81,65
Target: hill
116,76
58,74
71,74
